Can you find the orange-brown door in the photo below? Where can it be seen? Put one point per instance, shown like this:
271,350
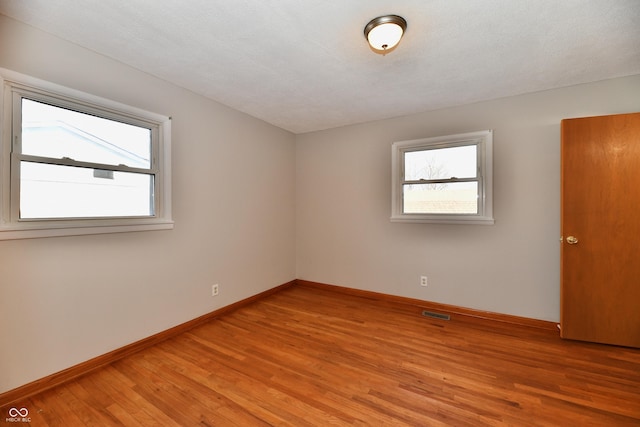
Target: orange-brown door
600,250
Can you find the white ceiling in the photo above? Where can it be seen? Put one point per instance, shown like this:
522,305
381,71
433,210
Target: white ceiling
304,65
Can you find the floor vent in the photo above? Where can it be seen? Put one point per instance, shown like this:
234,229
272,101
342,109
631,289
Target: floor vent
426,313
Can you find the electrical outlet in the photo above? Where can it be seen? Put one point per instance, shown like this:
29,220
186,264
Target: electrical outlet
214,290
423,280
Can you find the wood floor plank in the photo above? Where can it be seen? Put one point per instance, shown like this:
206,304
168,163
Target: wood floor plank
308,356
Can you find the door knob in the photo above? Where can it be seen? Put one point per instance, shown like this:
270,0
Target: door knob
572,240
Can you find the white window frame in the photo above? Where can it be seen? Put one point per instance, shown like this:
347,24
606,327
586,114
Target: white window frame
483,140
12,227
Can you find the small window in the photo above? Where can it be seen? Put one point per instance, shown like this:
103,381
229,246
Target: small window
443,180
79,164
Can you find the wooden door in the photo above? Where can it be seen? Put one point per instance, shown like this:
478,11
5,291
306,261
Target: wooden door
600,267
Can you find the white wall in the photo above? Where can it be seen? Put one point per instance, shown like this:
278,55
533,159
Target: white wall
344,236
66,300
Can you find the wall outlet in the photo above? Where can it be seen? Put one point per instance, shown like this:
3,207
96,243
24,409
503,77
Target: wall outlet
214,290
423,280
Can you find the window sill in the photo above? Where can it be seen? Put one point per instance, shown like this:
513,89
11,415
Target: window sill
428,219
33,231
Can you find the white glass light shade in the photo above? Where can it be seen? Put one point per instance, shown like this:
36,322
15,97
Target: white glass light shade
385,36
384,32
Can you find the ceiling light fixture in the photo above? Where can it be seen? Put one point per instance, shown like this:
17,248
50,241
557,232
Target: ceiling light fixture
384,32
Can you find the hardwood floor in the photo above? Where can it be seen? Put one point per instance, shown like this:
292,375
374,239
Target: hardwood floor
312,357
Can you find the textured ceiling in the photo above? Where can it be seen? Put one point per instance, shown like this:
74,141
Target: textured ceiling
305,65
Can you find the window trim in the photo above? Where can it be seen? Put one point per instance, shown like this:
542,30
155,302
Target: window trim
12,228
483,140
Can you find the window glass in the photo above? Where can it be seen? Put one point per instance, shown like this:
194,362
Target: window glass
51,131
53,191
441,163
445,198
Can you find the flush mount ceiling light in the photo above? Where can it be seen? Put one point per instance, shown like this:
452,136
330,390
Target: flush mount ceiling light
384,32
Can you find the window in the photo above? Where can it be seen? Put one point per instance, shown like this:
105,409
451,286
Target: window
443,180
73,163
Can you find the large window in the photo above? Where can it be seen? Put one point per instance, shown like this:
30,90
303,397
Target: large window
443,180
76,164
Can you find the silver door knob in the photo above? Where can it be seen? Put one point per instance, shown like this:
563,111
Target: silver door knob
572,240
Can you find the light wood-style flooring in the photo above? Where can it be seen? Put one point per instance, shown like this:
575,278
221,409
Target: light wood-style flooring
307,356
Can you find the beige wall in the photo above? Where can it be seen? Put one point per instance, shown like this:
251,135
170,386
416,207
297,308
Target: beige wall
66,300
344,236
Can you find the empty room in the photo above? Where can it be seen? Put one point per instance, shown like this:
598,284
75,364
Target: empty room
260,213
